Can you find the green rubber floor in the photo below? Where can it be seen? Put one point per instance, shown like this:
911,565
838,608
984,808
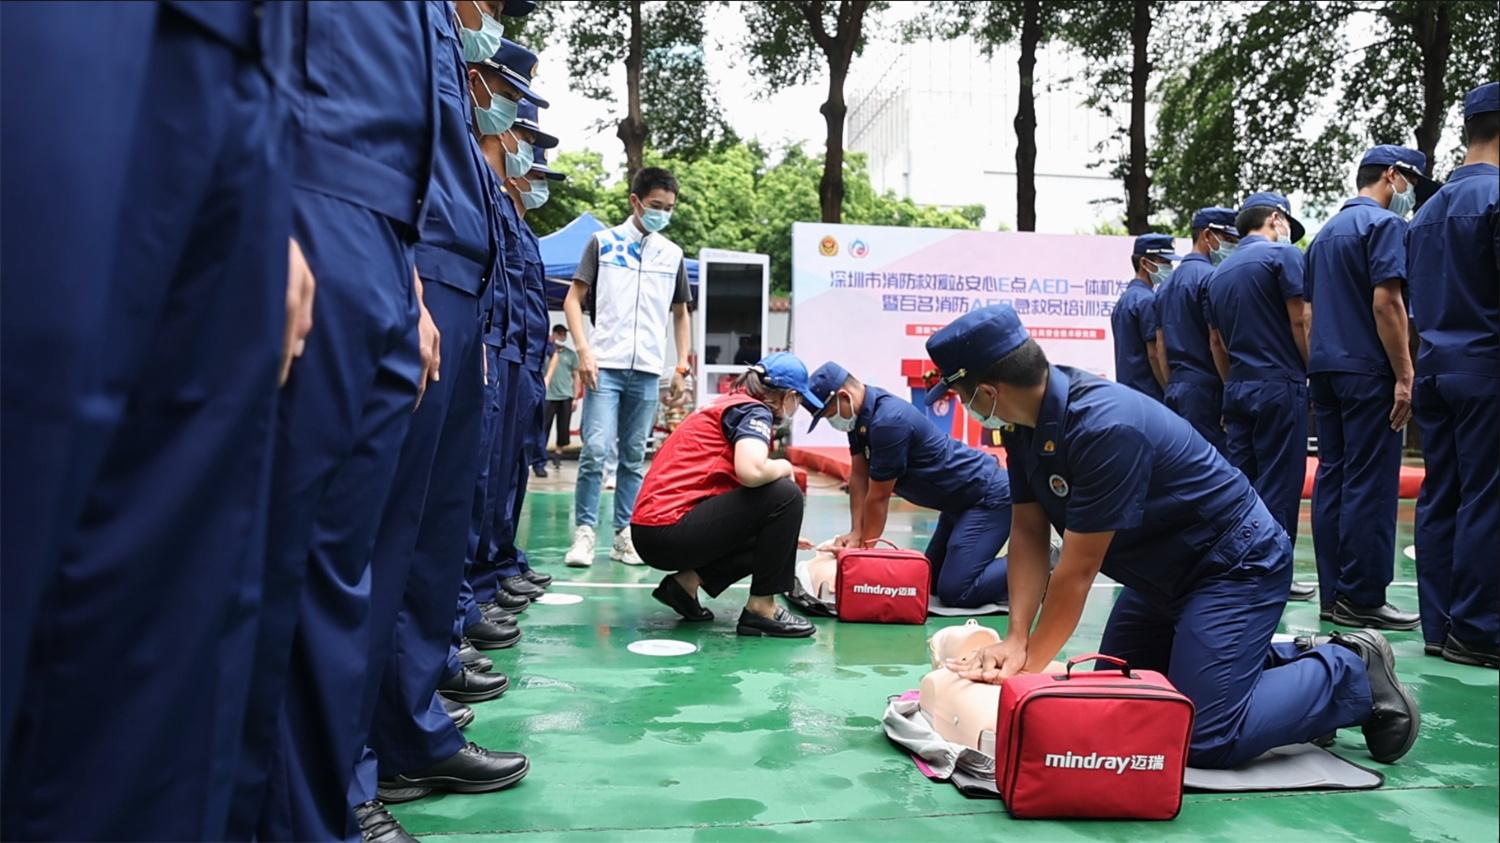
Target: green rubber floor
748,740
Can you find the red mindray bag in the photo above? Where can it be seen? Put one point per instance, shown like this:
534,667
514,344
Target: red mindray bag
882,585
1110,744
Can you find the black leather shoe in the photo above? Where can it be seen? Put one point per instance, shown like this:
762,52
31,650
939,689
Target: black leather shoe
472,769
488,635
376,825
494,612
1431,649
1325,741
521,587
537,578
675,597
1384,616
783,625
539,471
510,602
1325,613
1302,591
467,686
473,659
1393,725
460,714
1458,652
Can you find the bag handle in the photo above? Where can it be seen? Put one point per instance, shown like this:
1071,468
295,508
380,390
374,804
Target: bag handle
1123,665
873,542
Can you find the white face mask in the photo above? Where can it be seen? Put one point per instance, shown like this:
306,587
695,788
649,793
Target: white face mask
838,421
988,422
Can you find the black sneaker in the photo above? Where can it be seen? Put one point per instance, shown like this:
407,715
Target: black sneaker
1395,721
1458,652
1384,616
472,769
537,578
675,597
376,825
466,686
783,625
1301,591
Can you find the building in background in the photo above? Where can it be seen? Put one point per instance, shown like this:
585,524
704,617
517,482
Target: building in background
937,128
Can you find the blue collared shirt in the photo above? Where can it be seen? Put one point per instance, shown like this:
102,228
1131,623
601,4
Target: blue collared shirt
1451,252
1361,247
1104,458
1182,315
1247,298
508,316
535,350
931,468
1134,324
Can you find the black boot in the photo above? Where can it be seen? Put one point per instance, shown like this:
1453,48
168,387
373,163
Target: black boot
537,578
465,686
521,587
1384,616
472,769
376,825
473,659
1393,725
488,635
1458,652
460,714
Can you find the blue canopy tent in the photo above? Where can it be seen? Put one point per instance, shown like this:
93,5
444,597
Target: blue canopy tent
562,248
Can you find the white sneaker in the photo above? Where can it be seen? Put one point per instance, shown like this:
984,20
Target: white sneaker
609,483
624,549
581,554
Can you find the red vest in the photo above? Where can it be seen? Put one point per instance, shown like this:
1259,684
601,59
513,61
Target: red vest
694,464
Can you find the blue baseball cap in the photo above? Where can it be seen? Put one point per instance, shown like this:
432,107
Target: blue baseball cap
517,64
784,371
1155,246
972,343
526,118
539,165
1482,99
1272,199
517,8
1217,218
828,379
1390,155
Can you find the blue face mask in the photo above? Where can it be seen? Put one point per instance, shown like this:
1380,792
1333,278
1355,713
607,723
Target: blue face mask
1403,202
1220,252
655,219
481,44
1161,273
988,422
498,118
518,163
536,197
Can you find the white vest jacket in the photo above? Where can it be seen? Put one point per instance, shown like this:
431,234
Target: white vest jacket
633,298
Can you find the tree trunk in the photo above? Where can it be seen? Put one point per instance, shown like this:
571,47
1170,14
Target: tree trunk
831,186
1137,183
1434,35
632,129
1031,35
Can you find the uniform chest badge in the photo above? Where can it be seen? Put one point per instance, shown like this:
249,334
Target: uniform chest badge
1049,447
1059,485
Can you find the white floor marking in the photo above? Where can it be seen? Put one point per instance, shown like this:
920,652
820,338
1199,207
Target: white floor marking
661,647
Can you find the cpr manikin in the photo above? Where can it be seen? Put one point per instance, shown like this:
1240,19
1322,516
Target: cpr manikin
963,712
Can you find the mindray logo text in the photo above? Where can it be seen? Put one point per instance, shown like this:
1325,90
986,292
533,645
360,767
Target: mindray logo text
885,590
1119,764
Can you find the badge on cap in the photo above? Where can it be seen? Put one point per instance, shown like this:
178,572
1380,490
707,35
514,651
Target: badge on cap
1059,485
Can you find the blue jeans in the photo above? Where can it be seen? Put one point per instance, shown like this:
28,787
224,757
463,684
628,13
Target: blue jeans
619,411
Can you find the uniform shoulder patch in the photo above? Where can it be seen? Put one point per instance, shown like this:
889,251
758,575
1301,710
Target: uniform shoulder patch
1059,485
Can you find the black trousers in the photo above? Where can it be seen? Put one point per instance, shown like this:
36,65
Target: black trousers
562,410
746,532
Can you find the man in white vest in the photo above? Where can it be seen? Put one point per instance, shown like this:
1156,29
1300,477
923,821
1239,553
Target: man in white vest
630,277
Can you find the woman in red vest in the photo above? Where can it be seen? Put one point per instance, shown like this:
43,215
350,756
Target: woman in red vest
715,508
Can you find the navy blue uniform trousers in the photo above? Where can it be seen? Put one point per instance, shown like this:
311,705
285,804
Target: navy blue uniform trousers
1458,511
63,179
1265,425
419,556
157,589
496,390
343,417
511,559
505,468
968,569
1355,491
1215,645
1202,404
